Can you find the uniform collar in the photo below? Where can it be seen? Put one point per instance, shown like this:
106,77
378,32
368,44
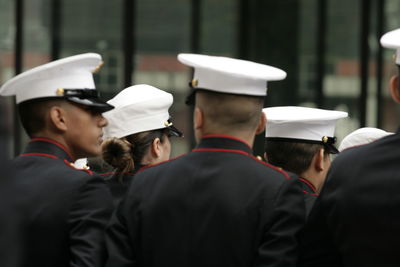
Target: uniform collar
224,142
308,187
47,147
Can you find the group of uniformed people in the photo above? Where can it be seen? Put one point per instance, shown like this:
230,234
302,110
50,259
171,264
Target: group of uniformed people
217,205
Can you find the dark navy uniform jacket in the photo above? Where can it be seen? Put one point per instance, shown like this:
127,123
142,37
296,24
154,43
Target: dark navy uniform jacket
310,194
119,183
216,206
356,218
66,210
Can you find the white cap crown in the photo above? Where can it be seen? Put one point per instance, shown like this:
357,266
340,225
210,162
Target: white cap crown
137,109
301,122
75,72
392,40
232,76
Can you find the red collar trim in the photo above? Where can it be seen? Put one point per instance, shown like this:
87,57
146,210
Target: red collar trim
39,154
272,167
220,150
54,143
156,164
226,136
309,184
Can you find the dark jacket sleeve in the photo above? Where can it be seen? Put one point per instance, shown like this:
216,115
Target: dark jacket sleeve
88,218
283,219
119,246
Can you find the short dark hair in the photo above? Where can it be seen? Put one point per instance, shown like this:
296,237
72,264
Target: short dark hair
229,111
295,157
33,114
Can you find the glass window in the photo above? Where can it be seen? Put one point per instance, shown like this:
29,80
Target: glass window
7,67
163,31
95,26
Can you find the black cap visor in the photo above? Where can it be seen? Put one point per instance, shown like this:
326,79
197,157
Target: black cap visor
96,104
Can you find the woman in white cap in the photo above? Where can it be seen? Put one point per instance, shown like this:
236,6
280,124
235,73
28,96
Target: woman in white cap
137,134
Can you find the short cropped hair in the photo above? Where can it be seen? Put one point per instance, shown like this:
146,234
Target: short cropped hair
33,114
295,157
230,112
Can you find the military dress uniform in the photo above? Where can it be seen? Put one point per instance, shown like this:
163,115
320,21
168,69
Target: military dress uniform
356,220
310,194
118,183
216,206
64,210
68,208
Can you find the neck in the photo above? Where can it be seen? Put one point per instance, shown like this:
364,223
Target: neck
313,178
248,138
59,139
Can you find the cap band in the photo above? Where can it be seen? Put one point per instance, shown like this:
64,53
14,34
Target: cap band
80,93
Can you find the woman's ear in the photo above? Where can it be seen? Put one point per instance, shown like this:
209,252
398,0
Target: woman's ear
261,124
58,118
156,148
394,88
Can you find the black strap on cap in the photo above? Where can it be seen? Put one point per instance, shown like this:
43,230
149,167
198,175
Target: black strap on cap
80,93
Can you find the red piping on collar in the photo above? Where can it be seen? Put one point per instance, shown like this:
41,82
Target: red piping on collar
71,165
111,173
243,153
54,143
39,154
272,167
220,150
310,185
156,164
226,136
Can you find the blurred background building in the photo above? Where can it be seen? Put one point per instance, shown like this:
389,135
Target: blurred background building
329,48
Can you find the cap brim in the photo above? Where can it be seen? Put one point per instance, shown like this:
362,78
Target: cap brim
174,131
191,99
331,148
94,103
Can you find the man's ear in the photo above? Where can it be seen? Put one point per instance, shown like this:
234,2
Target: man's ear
261,123
198,118
394,88
319,160
58,118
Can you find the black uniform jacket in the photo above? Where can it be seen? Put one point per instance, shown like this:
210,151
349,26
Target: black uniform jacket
67,209
216,206
310,194
356,218
118,183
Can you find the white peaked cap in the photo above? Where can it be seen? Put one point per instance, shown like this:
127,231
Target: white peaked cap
232,76
75,72
362,136
301,122
137,109
392,40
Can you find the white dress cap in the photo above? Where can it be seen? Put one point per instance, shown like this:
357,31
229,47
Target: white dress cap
137,109
392,40
362,136
302,124
232,76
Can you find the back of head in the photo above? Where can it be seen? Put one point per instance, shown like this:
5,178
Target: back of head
362,136
34,114
228,113
127,153
295,157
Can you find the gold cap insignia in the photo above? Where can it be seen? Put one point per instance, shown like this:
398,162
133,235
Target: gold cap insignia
325,139
167,124
60,91
194,82
97,69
